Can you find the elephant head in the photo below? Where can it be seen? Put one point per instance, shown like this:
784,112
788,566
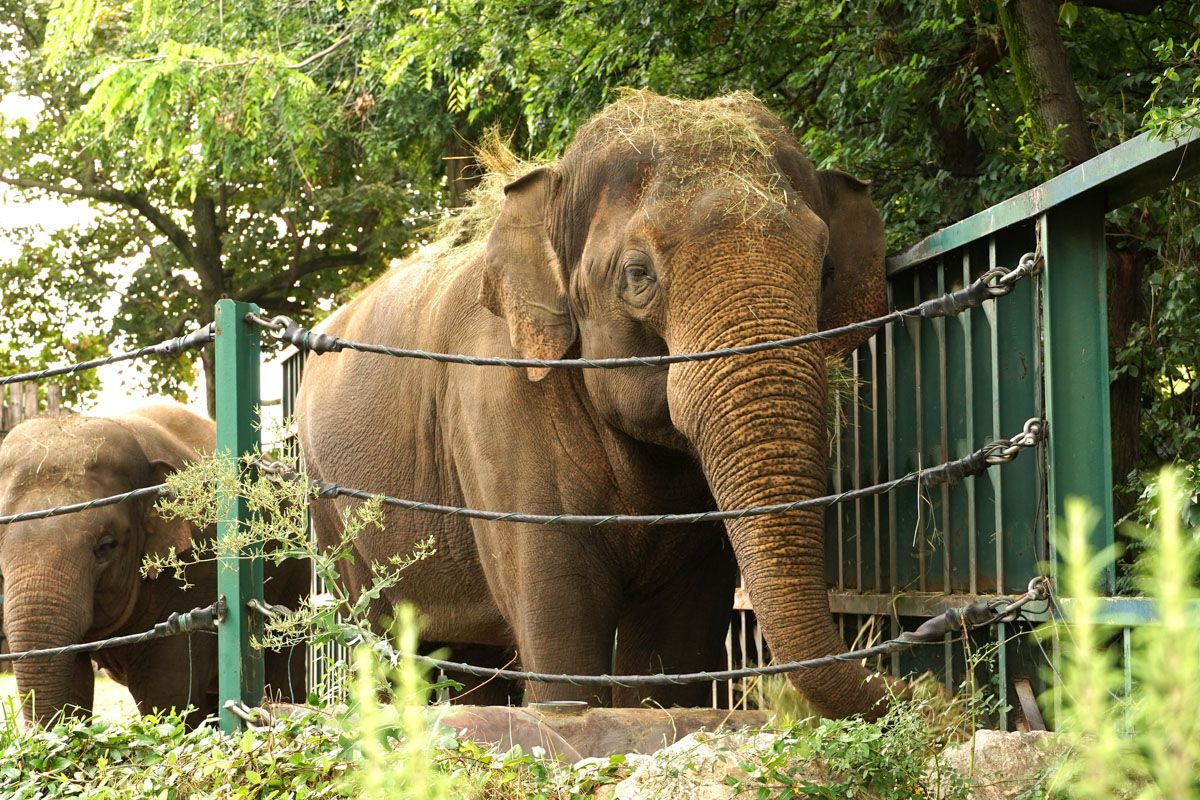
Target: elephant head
76,577
677,226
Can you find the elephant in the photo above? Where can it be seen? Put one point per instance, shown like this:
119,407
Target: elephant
77,578
667,226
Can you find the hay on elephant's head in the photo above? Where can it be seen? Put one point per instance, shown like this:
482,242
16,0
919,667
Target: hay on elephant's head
726,143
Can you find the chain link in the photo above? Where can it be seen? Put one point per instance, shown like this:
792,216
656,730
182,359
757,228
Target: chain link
1001,281
275,324
248,715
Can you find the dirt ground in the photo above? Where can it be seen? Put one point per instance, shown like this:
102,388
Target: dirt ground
112,699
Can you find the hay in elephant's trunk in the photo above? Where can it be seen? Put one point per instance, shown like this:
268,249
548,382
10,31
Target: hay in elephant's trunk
843,387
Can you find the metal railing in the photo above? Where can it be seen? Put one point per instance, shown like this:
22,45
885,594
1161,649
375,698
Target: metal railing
930,387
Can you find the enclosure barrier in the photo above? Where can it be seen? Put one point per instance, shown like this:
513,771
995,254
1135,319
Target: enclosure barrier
928,386
239,612
947,369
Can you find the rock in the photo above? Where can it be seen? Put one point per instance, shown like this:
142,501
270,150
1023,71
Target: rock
1004,765
704,766
588,732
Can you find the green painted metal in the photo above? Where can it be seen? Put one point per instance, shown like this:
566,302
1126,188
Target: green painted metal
944,387
1075,338
239,572
1125,173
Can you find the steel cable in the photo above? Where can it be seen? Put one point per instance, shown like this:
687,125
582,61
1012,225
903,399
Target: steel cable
198,619
197,338
998,452
663,679
993,283
951,622
75,508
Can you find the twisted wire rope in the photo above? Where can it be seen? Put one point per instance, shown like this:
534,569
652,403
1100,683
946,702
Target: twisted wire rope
198,619
75,508
994,283
197,338
957,622
670,679
997,452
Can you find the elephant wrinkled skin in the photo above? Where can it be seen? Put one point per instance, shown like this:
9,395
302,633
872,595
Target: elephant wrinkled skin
76,578
667,227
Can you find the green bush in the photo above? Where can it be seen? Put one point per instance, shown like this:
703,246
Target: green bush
1147,745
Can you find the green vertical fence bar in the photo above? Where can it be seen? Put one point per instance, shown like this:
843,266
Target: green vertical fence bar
239,574
1075,342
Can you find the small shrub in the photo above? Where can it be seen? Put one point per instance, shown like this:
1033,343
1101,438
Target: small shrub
1146,746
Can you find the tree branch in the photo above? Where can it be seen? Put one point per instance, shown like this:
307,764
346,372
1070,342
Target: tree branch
268,289
1123,6
106,194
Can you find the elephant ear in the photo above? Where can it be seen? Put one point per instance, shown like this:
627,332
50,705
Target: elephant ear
523,280
854,280
166,454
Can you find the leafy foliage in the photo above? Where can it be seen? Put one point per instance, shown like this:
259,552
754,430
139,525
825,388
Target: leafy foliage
155,756
1140,744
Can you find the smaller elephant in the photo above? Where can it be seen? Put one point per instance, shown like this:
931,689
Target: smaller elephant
77,577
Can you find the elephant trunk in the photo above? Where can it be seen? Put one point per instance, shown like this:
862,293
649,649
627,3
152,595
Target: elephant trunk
758,424
42,611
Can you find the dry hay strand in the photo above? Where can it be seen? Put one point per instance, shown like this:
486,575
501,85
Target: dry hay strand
498,166
725,143
843,387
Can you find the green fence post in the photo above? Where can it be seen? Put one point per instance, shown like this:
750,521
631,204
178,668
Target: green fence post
1075,347
239,573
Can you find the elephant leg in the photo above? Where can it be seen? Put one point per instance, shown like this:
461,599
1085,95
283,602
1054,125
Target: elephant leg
679,627
177,672
479,691
564,615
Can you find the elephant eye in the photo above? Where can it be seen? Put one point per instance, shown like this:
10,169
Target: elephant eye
105,547
636,273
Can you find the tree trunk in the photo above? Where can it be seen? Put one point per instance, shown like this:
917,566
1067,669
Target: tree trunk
208,359
1043,75
1125,308
460,177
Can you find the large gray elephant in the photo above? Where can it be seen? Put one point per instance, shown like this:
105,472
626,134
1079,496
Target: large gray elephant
666,227
77,578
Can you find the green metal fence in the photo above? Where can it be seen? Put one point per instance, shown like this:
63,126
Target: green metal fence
932,390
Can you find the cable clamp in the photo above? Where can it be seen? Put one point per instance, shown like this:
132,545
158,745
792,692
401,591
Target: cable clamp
197,338
286,329
198,619
1039,591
